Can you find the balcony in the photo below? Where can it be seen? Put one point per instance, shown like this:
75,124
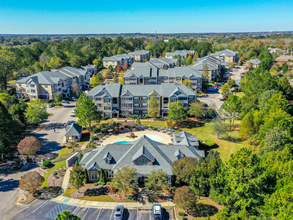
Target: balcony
126,101
165,105
98,100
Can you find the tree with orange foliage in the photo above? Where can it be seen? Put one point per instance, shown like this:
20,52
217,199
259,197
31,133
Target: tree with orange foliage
31,181
29,145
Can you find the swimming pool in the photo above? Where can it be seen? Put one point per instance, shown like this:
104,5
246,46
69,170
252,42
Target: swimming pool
121,142
154,137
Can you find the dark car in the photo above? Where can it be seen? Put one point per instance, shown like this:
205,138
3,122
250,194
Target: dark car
65,101
223,99
51,105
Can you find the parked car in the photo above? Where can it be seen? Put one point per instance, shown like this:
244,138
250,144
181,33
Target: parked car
65,101
70,123
223,99
157,212
74,98
72,114
204,105
51,105
119,212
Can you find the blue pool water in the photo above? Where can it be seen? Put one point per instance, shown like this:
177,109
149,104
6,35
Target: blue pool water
121,142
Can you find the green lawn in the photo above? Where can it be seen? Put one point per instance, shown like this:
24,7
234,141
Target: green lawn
69,191
56,167
11,82
203,130
63,154
240,94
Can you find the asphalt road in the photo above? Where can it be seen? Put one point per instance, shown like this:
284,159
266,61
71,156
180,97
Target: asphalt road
51,143
235,74
213,98
48,210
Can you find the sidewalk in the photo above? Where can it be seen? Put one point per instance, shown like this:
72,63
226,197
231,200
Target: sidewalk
109,205
66,179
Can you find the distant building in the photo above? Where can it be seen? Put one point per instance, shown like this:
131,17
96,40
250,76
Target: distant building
44,85
227,56
146,75
213,65
140,55
284,59
118,59
159,63
254,63
182,53
73,133
274,50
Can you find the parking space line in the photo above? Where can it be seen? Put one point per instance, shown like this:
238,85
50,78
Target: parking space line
75,209
111,215
99,213
41,205
137,214
86,213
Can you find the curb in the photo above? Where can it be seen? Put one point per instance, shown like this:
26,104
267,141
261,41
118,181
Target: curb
20,204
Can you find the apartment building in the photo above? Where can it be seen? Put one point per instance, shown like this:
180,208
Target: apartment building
254,63
146,75
159,63
118,59
226,55
46,84
183,53
140,55
213,65
114,100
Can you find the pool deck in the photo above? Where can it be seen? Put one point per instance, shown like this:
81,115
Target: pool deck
166,139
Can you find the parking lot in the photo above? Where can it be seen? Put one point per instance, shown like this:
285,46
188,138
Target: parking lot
49,210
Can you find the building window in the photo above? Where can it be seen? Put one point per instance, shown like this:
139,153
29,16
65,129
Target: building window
106,100
178,79
144,98
136,105
107,115
144,112
173,100
107,161
46,86
126,79
136,112
142,161
165,77
136,98
94,175
107,107
198,84
159,77
110,173
27,85
144,105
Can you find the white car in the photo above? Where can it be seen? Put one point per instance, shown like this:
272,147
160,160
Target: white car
72,114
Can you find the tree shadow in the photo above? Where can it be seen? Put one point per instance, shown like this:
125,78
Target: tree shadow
192,124
8,185
203,210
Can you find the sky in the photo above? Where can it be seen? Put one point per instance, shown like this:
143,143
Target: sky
111,16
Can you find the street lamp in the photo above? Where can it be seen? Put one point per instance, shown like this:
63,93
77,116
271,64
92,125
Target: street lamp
53,181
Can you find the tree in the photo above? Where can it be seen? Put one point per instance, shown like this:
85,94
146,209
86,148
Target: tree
94,81
5,99
123,179
188,60
188,83
36,111
157,180
218,127
278,101
195,56
31,181
196,109
251,123
186,199
7,65
118,69
103,177
154,110
87,113
82,98
110,68
225,89
177,112
231,108
77,176
275,139
75,88
121,78
66,215
138,122
58,98
285,87
29,145
184,169
205,76
285,68
115,79
232,65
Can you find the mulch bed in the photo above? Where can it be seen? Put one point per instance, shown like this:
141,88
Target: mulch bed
118,196
160,198
26,198
91,190
58,179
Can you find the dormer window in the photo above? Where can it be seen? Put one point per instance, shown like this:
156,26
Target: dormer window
107,161
142,161
179,154
107,158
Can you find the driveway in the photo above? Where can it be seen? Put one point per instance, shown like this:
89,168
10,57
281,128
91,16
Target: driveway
51,141
213,98
235,74
48,210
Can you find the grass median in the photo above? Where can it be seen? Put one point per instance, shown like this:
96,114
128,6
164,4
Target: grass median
69,191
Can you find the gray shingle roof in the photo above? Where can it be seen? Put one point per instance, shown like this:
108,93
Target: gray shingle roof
185,139
73,130
227,52
165,89
124,154
255,61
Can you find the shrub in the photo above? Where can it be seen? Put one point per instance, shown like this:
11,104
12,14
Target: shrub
46,164
105,118
208,142
79,157
31,181
153,199
96,183
186,199
134,116
54,173
181,213
95,130
146,116
29,145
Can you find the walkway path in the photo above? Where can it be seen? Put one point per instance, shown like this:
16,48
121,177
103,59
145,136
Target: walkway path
66,179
